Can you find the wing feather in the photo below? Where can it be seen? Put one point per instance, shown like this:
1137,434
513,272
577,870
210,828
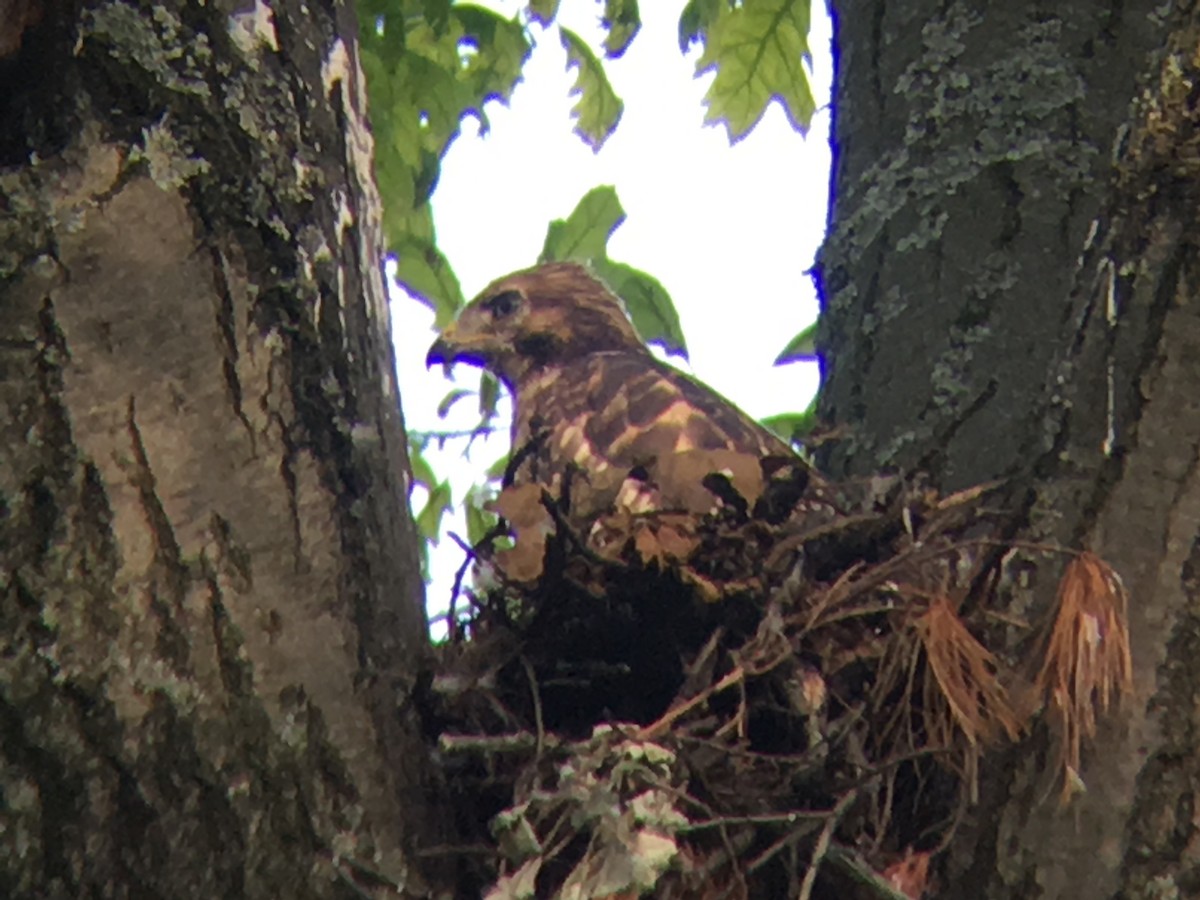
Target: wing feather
626,410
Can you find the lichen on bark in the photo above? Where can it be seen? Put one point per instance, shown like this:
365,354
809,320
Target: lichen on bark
208,578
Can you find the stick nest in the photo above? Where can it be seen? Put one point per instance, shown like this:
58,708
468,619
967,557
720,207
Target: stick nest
789,690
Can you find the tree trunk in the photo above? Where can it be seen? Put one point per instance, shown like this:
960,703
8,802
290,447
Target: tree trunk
211,602
1010,290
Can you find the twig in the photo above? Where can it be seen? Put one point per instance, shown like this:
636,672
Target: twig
820,848
472,553
853,864
949,828
537,708
738,722
695,672
373,875
793,541
565,529
794,759
781,844
425,437
458,850
452,612
714,862
655,729
522,453
822,845
784,818
494,743
966,496
349,882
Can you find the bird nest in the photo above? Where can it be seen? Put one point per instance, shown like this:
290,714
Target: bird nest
790,694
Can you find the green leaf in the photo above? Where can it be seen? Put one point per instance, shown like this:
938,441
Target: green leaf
489,396
429,63
443,408
649,304
758,49
424,272
479,523
584,234
695,19
598,109
500,48
480,520
792,426
543,11
369,11
436,13
802,347
429,519
497,469
436,98
622,21
422,472
583,237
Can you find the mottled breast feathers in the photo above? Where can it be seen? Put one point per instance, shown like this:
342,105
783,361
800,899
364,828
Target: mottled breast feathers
589,396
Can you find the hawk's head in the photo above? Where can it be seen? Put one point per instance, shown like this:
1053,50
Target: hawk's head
535,319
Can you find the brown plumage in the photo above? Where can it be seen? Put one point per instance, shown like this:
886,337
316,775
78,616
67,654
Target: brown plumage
585,387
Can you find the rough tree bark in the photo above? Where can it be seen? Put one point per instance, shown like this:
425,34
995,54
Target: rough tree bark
1010,290
210,600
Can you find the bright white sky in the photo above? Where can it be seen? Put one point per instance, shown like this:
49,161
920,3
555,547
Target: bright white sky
729,231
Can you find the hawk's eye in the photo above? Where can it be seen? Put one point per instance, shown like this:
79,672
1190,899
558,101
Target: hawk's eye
503,304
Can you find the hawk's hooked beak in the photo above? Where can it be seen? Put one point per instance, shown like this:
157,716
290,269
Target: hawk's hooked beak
444,350
441,352
456,344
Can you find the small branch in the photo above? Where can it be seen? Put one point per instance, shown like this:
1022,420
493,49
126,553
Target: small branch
738,722
353,873
565,529
457,850
782,844
784,818
821,848
852,863
495,743
472,553
452,613
656,729
426,437
523,453
349,882
537,708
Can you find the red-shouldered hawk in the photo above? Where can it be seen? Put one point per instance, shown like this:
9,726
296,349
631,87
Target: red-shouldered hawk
591,401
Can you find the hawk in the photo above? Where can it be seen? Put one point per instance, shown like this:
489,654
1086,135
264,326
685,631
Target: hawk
595,413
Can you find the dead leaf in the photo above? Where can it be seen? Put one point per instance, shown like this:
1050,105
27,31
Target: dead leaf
676,542
521,506
645,542
524,561
909,875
